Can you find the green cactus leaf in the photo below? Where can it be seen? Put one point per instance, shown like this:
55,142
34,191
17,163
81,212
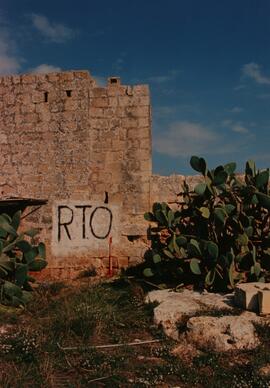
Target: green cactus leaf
194,248
220,214
168,253
210,277
242,239
6,217
198,164
42,250
149,217
6,227
156,259
194,266
251,168
165,207
31,279
257,269
264,200
249,231
230,168
220,178
181,241
200,188
3,272
37,265
254,254
229,208
26,297
31,255
262,178
147,272
6,263
16,219
175,245
159,214
24,246
11,289
212,250
32,232
170,218
254,200
14,243
21,274
205,212
156,206
231,274
171,245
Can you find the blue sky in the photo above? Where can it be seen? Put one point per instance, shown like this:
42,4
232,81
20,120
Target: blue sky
207,64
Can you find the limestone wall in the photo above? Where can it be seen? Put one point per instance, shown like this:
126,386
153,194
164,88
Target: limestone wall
87,150
167,188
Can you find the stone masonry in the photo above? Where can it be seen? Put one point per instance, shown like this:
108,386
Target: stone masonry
87,149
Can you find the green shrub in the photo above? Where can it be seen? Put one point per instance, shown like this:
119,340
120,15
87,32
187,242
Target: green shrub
18,256
218,235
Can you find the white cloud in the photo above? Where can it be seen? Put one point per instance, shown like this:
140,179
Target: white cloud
163,111
263,96
236,109
56,32
9,62
44,68
226,123
253,71
160,79
185,138
239,87
235,126
238,128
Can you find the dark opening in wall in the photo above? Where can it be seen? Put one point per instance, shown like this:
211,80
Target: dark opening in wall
68,93
114,81
133,238
46,95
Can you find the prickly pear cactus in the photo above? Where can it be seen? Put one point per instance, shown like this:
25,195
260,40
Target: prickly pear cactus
220,233
18,256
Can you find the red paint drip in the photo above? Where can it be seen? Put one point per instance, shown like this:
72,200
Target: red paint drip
110,272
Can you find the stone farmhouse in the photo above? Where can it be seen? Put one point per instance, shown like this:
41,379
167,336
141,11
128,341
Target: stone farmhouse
87,150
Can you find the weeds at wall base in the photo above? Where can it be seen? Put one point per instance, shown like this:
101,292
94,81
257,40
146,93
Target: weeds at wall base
115,313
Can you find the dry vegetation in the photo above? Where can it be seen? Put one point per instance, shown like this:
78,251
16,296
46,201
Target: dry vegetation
85,315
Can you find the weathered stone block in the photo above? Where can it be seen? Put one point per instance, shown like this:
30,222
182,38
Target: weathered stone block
28,79
141,90
246,295
100,92
100,102
264,301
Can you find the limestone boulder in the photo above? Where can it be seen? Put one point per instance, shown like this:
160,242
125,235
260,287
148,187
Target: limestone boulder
223,333
247,296
206,320
174,308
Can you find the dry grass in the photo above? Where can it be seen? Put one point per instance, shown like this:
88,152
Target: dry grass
88,315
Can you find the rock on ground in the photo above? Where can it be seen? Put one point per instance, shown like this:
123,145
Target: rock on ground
175,307
223,333
196,312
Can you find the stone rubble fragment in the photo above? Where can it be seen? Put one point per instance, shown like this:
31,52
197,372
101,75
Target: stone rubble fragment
205,320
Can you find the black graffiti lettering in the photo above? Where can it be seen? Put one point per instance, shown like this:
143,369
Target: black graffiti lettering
64,224
83,207
92,221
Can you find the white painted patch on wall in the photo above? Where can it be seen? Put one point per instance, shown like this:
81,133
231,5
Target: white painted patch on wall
82,227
